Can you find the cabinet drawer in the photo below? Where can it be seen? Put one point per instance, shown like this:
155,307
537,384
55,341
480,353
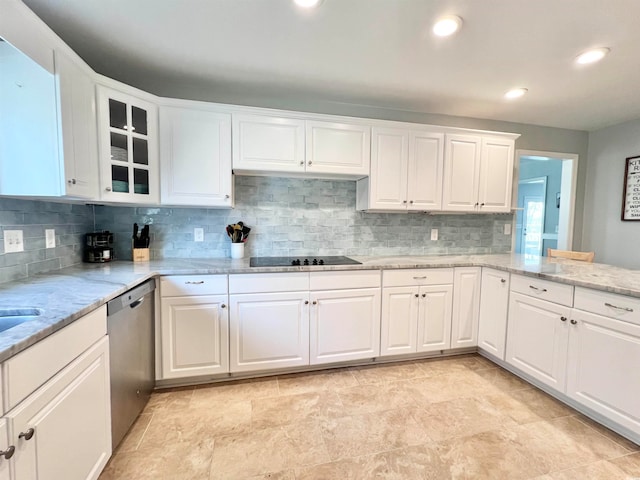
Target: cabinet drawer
544,289
187,285
25,372
607,304
268,282
344,279
417,276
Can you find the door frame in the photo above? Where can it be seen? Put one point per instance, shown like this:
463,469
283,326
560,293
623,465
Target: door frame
569,184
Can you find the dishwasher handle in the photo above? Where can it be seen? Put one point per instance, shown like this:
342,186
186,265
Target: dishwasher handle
137,303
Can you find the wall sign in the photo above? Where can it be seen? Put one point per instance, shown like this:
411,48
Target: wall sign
631,191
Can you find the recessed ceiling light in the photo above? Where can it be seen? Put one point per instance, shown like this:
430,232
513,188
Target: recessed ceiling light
592,56
308,3
515,93
447,25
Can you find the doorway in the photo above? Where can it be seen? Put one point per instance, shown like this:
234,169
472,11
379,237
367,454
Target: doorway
546,183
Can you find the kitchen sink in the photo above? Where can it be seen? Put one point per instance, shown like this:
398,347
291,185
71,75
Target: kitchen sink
10,317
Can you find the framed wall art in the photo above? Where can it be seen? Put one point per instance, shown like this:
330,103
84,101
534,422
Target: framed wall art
631,190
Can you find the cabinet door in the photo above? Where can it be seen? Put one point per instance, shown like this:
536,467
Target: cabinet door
389,164
128,132
4,446
269,331
494,303
345,325
461,171
537,337
426,161
496,175
78,127
602,373
434,318
66,424
195,153
269,144
399,325
195,336
466,307
338,148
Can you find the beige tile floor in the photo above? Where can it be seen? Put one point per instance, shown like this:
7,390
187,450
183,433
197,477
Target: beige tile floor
459,418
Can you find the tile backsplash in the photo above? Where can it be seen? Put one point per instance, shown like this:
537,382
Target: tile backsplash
290,216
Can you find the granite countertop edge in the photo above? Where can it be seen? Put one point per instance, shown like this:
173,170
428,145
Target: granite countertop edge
68,294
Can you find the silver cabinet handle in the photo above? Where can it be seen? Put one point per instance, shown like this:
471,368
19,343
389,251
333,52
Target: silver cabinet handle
223,306
502,280
108,189
309,163
417,295
626,309
563,319
8,453
411,202
424,295
227,197
301,163
573,322
27,435
420,278
72,181
314,302
306,302
538,289
188,282
404,201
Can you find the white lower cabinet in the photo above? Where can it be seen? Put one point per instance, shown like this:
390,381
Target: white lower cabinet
63,430
537,339
269,330
6,451
194,325
494,305
416,311
466,305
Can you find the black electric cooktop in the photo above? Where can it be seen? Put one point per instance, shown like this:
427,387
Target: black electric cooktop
300,261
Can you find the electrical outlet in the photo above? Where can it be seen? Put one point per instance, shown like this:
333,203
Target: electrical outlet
50,237
507,229
434,234
198,234
13,241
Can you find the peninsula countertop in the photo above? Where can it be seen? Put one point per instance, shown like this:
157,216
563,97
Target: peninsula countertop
68,294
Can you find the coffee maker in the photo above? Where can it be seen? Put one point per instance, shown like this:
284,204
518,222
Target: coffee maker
97,248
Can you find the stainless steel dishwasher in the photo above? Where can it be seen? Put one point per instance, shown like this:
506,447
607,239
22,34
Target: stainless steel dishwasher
130,325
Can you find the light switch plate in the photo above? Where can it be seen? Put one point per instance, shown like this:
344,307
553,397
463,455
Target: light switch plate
13,241
50,237
198,234
507,229
434,234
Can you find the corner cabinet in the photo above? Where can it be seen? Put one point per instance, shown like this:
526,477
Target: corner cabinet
195,156
478,174
128,141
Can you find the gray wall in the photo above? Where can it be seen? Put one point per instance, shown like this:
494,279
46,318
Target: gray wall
70,222
614,241
302,217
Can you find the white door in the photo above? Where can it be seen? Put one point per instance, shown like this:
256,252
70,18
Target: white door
602,373
4,446
426,162
389,164
63,430
496,175
78,122
399,326
338,148
466,307
344,325
537,337
195,336
195,155
434,318
461,173
494,304
270,144
532,226
268,331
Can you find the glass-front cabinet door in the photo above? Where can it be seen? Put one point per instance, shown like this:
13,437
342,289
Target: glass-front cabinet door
128,148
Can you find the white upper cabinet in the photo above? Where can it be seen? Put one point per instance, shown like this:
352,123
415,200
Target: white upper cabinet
195,156
337,148
406,171
268,144
478,174
79,145
128,136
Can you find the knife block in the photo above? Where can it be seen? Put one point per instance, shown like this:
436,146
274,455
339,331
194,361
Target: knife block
140,255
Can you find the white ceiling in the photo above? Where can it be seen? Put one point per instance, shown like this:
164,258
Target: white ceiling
370,52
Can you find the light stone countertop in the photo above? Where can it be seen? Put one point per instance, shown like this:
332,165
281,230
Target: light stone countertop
68,294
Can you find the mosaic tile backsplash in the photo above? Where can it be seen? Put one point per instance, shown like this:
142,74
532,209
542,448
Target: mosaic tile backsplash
291,216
